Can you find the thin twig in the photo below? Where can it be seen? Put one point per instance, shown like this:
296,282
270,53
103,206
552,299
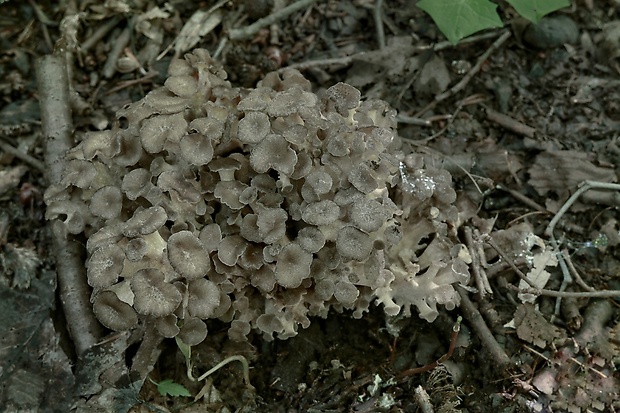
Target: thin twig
348,60
520,197
567,279
99,34
479,276
471,313
500,266
378,18
509,123
35,163
335,61
567,294
542,291
585,186
574,271
109,68
486,238
574,360
468,77
251,30
409,120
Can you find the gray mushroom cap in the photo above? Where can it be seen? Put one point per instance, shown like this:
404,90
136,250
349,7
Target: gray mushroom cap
368,214
152,295
145,221
188,256
196,148
105,266
253,127
193,331
167,326
273,152
321,213
137,183
204,298
353,244
107,202
114,313
342,97
293,266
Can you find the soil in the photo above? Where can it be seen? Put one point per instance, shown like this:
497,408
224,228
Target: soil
520,116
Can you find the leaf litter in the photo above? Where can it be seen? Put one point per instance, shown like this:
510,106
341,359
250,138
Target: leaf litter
574,118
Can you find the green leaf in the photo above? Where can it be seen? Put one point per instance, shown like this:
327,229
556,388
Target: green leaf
170,388
459,18
534,10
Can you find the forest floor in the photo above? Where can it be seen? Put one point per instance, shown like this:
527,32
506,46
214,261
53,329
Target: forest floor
520,116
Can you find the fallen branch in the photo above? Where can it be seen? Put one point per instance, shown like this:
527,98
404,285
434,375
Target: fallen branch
57,127
471,313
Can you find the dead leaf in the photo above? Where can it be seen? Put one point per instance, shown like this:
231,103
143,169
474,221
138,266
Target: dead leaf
532,327
562,171
199,25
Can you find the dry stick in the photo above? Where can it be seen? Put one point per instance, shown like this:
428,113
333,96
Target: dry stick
251,30
567,279
378,18
240,359
585,186
109,68
99,34
468,77
423,400
482,261
57,126
347,60
509,123
334,61
471,313
500,266
567,294
520,197
35,163
574,271
570,358
409,120
542,291
483,287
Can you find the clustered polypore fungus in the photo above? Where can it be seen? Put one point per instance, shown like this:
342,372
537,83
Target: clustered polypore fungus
259,207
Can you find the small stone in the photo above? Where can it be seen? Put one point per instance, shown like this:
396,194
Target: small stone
552,32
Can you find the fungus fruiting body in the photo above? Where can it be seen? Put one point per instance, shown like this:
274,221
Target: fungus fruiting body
260,207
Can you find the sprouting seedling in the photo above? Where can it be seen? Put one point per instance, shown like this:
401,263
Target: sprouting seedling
186,350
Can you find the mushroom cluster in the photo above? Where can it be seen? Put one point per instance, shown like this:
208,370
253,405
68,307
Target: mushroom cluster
259,207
